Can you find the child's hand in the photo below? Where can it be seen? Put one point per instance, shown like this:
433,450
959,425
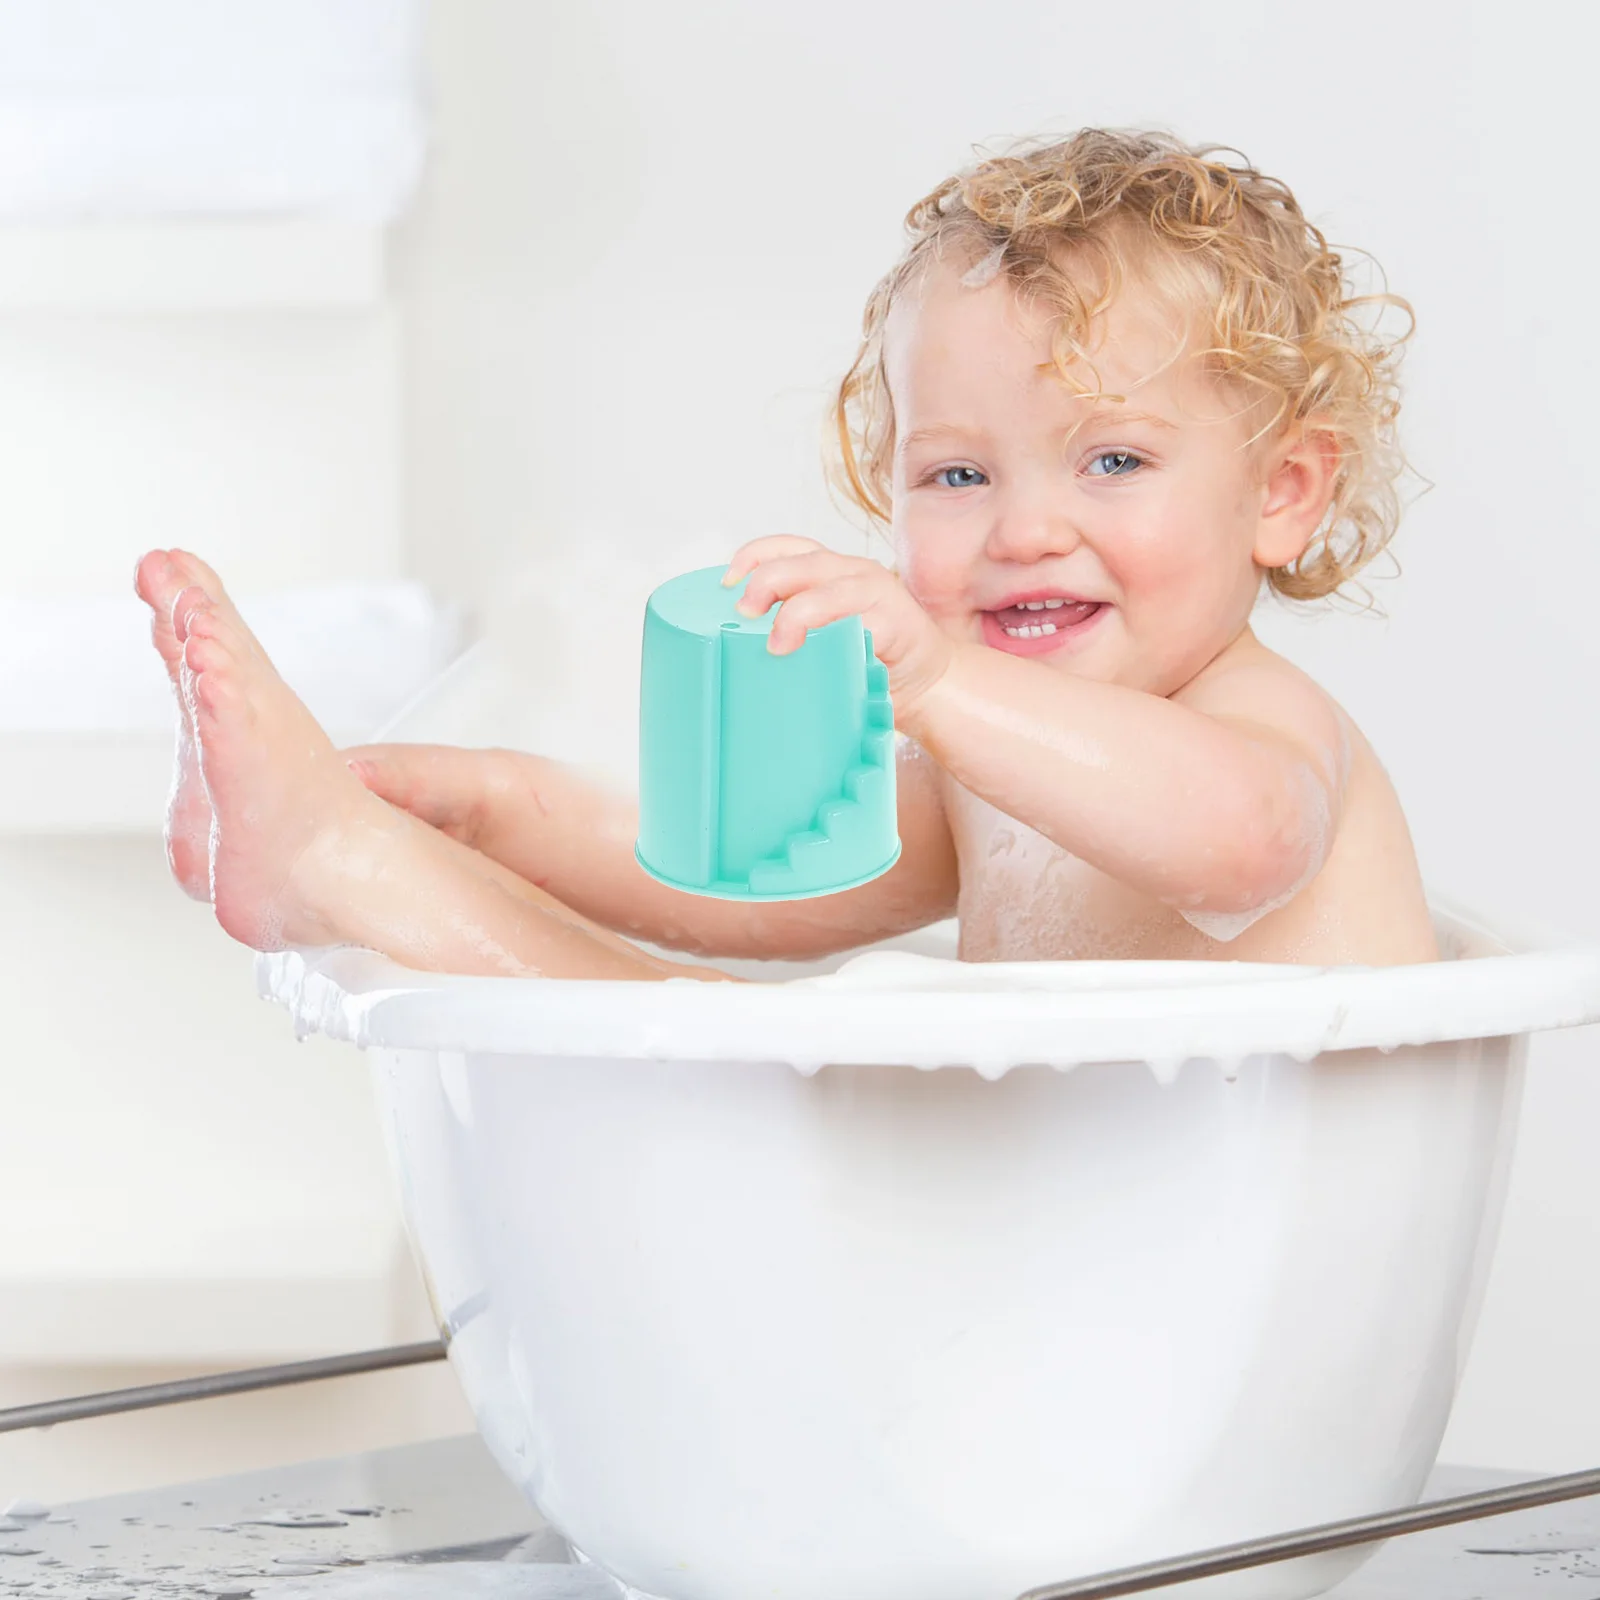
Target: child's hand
818,586
452,790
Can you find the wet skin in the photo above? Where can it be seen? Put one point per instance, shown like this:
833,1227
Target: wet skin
1102,759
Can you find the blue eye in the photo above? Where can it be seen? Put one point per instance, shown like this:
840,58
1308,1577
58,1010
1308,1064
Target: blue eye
1122,463
959,477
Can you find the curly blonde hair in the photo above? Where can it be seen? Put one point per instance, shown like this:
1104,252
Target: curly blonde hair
1267,299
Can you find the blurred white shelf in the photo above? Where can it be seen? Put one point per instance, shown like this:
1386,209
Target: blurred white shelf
249,1288
176,267
87,748
84,783
181,1182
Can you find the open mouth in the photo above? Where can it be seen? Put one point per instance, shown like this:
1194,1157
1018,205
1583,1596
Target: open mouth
1036,627
1038,619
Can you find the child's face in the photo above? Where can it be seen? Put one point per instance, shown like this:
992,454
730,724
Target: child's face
1145,521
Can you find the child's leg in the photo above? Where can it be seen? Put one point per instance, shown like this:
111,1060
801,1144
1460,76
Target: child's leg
302,853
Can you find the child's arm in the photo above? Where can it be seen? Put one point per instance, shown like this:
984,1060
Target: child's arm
1224,798
573,837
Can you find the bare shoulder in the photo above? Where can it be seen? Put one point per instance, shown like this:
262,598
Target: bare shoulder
1366,903
1255,688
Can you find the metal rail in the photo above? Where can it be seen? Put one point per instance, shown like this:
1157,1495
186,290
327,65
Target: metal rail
1100,1586
47,1413
1315,1541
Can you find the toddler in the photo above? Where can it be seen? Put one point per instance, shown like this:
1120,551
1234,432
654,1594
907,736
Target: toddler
1113,388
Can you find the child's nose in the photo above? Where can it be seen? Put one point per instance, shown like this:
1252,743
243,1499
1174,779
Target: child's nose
1031,528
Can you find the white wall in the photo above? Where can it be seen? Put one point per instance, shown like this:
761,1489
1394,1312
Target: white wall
182,1186
264,439
643,249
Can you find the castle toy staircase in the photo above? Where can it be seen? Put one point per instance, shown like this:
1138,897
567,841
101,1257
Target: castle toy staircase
860,824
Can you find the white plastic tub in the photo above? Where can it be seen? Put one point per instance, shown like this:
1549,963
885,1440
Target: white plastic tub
936,1282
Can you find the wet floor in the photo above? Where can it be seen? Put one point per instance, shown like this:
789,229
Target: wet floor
438,1521
414,1523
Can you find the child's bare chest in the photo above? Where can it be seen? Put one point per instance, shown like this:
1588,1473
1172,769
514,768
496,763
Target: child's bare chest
1023,898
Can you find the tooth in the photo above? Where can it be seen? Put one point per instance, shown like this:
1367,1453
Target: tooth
1052,605
1036,605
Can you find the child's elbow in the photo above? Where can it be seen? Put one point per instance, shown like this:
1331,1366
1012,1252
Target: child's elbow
1280,843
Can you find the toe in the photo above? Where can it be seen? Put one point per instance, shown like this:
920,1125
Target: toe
195,571
204,654
186,604
206,577
152,576
156,583
201,622
215,694
196,579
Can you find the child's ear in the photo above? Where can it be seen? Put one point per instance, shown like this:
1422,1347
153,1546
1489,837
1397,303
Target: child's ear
1299,485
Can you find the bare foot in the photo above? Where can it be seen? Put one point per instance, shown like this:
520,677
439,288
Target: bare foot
161,576
284,805
302,853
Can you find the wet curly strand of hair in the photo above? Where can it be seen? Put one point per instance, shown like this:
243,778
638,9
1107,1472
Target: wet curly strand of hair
1066,222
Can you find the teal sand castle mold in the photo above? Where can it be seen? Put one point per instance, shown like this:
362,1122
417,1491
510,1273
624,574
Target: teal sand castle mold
761,777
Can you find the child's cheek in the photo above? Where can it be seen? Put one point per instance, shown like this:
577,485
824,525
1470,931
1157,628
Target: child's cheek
1153,560
921,551
1176,585
936,586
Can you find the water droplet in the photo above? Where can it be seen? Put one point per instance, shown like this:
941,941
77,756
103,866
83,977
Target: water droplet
295,1519
27,1510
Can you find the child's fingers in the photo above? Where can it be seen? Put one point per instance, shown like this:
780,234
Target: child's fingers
417,778
749,556
816,608
389,771
781,577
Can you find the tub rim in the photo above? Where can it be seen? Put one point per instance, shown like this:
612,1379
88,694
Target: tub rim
1159,1013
